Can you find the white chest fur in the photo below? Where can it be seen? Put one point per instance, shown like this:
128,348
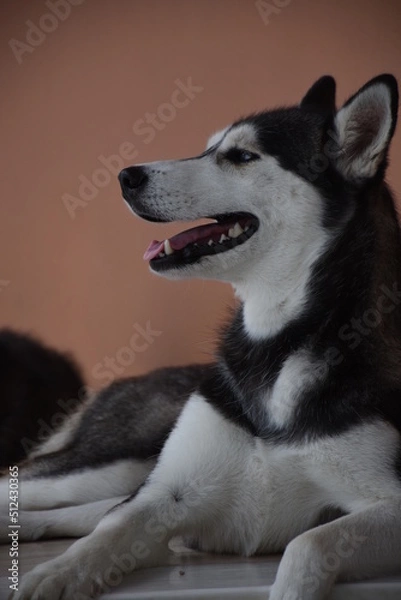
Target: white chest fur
297,375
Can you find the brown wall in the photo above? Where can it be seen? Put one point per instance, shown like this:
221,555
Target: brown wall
81,283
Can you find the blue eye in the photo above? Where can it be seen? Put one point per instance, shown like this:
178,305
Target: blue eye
238,156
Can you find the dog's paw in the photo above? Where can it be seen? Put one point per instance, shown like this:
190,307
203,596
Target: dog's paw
52,581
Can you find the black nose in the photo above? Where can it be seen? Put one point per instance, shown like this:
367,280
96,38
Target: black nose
132,178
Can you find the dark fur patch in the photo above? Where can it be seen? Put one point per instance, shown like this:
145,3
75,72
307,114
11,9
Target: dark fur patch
36,385
131,418
398,463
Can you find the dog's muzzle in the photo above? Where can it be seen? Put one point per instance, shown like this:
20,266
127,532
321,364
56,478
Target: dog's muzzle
227,232
133,181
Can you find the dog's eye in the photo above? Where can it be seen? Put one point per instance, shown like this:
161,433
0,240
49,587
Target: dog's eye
238,156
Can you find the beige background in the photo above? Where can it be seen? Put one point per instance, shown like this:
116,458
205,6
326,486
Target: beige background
81,283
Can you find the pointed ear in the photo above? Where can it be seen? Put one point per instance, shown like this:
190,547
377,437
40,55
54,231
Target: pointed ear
364,127
321,96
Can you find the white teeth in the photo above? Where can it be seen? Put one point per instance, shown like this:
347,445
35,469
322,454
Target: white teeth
238,230
223,238
167,247
235,231
161,255
210,243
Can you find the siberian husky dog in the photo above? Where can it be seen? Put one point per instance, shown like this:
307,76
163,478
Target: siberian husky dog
291,440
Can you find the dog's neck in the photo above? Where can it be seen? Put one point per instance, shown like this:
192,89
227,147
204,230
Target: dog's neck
273,297
332,285
266,313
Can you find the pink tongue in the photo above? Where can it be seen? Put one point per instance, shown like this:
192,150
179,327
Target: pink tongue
154,248
179,241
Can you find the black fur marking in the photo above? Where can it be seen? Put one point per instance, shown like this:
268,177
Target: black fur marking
131,418
322,96
398,463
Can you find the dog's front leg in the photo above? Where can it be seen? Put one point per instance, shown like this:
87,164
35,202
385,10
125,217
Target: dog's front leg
183,495
129,537
361,545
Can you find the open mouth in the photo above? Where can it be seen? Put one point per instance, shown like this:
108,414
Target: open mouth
228,232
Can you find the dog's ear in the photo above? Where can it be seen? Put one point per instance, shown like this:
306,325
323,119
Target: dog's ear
321,96
216,137
364,127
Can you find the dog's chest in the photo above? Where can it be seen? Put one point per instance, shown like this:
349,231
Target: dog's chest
292,485
357,466
347,470
297,375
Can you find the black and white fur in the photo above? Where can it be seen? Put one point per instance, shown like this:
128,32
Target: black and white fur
292,440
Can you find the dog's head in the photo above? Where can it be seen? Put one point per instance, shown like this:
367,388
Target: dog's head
276,185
